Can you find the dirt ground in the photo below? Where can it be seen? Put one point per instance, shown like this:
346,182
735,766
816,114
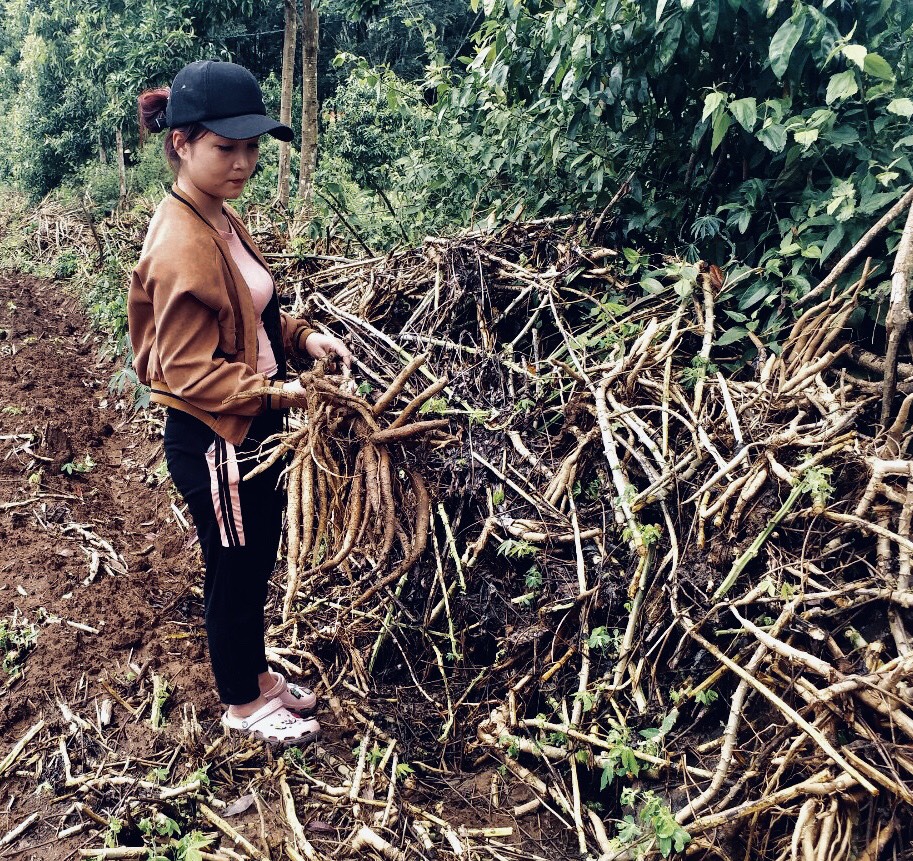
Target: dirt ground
99,595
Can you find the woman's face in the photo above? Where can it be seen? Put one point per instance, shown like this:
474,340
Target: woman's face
215,166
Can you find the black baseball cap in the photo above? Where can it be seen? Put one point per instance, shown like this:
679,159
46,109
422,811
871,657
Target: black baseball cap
224,98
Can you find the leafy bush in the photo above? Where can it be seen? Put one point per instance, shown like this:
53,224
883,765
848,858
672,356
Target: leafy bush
150,175
386,165
98,186
753,132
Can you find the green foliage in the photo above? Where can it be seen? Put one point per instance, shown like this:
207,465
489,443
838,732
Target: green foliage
757,131
514,548
385,164
404,35
438,405
149,175
17,638
80,466
620,759
654,825
533,578
66,264
706,697
76,67
164,841
602,639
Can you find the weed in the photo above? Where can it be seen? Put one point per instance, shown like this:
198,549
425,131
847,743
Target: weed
403,769
164,840
586,699
114,828
601,639
514,549
700,368
479,417
66,264
80,466
511,745
434,405
17,638
533,578
707,697
657,825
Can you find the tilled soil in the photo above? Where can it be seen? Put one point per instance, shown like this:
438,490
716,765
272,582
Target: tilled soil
99,591
78,469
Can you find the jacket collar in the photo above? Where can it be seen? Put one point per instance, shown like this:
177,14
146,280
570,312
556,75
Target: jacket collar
232,216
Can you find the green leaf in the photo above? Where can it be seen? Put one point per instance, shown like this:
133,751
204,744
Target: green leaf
806,137
746,112
844,135
878,67
773,137
730,336
841,86
752,297
834,238
855,54
671,36
569,84
712,101
721,123
710,16
783,43
901,107
551,68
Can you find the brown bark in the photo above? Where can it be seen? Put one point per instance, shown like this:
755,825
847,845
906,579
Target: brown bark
310,28
289,42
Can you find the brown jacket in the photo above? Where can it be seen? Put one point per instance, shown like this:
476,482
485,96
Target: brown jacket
192,321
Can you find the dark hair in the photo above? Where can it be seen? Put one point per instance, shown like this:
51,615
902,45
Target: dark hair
152,104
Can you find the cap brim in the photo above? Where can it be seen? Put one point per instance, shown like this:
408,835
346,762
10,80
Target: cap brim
248,126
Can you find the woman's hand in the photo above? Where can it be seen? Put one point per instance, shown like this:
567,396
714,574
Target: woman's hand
320,346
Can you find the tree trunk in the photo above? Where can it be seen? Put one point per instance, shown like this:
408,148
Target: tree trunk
309,42
121,164
289,42
898,318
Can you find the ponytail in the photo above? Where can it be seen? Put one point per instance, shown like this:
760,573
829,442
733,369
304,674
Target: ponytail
152,105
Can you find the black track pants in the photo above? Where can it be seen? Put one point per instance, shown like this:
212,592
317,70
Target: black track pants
239,525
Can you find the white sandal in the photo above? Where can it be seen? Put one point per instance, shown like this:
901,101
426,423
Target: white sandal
274,724
294,697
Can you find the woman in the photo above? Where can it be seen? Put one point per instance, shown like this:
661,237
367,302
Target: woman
205,324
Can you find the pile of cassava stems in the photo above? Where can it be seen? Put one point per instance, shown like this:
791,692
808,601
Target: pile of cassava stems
602,562
656,586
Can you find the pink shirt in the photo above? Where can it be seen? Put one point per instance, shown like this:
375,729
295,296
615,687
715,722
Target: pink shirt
260,283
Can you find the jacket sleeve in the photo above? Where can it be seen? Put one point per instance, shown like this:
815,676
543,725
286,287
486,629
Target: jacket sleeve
193,326
294,333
